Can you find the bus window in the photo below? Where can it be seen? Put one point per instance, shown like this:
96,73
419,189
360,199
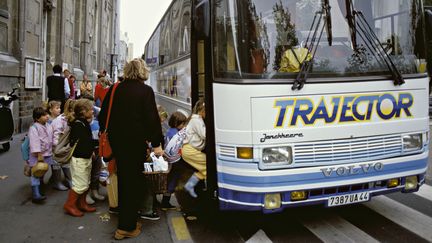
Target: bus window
175,26
165,54
185,28
251,38
181,20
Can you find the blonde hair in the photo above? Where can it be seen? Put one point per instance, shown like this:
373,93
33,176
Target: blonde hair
44,105
199,106
136,70
162,112
52,104
68,107
79,107
104,82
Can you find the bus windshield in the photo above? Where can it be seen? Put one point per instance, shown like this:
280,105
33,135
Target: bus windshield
255,39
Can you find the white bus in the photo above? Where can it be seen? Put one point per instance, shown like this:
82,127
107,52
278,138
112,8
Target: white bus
308,101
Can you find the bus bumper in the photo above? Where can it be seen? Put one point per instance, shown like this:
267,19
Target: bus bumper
249,191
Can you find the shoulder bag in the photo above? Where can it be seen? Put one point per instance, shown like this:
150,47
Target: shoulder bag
105,150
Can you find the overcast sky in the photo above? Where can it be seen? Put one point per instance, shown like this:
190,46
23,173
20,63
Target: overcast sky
139,18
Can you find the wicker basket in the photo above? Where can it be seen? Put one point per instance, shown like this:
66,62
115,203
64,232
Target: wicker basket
158,181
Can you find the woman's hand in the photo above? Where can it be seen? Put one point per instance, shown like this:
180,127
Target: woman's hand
158,151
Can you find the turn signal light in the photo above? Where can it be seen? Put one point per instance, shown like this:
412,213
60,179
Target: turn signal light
298,195
244,153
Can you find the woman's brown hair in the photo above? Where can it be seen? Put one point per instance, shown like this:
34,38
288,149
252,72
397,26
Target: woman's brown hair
79,107
176,119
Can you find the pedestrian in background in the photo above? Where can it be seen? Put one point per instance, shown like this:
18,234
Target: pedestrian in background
40,139
72,85
101,89
86,87
81,158
58,86
67,74
134,120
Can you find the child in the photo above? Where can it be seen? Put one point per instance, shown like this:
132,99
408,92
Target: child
173,142
81,162
54,111
163,115
40,139
194,145
59,125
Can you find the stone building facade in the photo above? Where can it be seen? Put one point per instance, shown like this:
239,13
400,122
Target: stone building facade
81,35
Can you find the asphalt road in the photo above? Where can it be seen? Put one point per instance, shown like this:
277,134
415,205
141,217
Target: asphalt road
23,221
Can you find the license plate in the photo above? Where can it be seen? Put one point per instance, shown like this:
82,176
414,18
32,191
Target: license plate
348,199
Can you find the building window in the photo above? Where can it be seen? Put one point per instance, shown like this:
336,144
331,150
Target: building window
4,22
33,78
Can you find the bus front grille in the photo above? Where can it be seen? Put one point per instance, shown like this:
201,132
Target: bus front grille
348,150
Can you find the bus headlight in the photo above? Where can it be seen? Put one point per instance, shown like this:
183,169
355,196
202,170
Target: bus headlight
279,155
411,182
412,142
272,201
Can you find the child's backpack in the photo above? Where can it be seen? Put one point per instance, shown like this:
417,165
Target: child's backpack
25,148
62,153
172,149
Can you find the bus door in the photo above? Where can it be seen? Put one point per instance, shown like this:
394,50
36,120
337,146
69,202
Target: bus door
202,80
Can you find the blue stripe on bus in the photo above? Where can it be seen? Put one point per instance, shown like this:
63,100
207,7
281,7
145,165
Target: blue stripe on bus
315,177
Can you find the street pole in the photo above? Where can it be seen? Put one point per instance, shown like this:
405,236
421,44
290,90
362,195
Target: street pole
111,65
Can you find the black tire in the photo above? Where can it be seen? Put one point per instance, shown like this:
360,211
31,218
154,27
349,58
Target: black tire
6,146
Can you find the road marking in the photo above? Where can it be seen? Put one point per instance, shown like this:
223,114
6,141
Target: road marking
180,228
425,191
406,217
337,229
259,237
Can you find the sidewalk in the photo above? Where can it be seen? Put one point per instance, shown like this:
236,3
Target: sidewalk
23,221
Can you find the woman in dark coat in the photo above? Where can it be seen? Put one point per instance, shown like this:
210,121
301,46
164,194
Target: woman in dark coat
134,121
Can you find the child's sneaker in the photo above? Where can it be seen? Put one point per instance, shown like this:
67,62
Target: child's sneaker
149,216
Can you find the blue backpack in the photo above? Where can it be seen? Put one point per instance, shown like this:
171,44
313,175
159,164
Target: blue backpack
25,148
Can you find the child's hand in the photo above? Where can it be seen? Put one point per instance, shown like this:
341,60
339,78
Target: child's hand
40,157
158,151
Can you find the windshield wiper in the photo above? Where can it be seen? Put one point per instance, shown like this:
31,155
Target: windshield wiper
351,23
312,47
371,40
